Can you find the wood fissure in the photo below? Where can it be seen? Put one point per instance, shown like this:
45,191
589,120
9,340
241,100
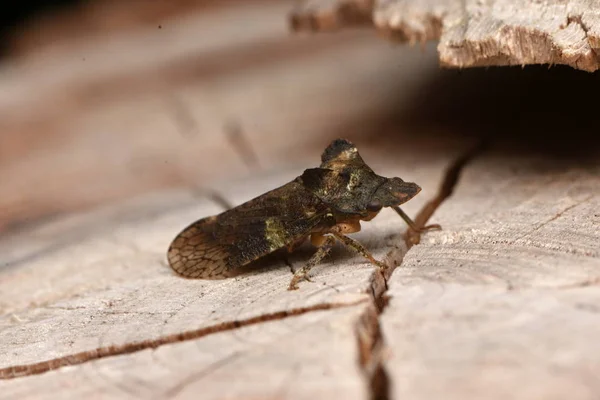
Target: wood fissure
242,146
554,218
370,340
18,371
447,187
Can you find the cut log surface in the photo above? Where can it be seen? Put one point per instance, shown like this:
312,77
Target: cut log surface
119,153
284,358
96,285
475,32
503,303
504,296
87,301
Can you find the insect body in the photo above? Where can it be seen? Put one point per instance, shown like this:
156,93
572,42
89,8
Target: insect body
324,203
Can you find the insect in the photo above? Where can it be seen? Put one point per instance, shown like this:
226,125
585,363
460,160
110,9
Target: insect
324,203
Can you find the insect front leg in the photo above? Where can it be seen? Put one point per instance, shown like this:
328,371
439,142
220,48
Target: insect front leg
325,243
414,233
348,241
411,223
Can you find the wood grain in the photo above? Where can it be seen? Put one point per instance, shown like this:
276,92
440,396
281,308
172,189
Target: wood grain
313,355
502,302
120,155
95,283
143,109
475,33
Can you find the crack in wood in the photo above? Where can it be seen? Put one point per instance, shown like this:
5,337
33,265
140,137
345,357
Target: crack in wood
370,341
554,218
18,371
447,187
195,378
242,145
371,346
578,19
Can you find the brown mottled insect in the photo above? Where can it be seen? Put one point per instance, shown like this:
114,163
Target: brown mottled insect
325,203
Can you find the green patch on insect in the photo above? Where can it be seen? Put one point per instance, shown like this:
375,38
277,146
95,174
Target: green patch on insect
323,204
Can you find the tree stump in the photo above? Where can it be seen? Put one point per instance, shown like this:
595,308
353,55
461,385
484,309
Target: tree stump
106,159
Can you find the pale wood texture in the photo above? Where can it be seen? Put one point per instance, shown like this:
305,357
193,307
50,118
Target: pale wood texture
503,303
504,297
278,359
473,32
147,108
142,109
122,153
95,280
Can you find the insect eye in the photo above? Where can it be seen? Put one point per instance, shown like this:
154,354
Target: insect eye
374,206
345,175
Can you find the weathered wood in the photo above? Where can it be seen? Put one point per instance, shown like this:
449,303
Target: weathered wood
479,33
331,14
88,288
285,358
96,283
503,302
143,109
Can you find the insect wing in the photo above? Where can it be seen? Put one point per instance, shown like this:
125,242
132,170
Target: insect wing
212,247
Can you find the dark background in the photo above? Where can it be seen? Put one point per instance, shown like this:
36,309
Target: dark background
11,18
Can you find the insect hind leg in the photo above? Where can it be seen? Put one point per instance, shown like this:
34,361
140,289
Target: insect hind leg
302,273
359,248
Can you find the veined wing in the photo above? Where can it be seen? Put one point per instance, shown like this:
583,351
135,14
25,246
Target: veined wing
214,246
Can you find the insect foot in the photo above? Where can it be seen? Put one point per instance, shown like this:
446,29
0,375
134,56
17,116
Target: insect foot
302,273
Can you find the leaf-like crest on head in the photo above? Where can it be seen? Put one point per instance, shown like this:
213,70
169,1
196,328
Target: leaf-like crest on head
340,150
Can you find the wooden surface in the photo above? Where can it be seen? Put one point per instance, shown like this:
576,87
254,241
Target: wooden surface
503,303
146,108
107,290
96,183
504,297
474,33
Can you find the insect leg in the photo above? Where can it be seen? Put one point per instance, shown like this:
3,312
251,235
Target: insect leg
290,248
411,223
348,241
302,273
